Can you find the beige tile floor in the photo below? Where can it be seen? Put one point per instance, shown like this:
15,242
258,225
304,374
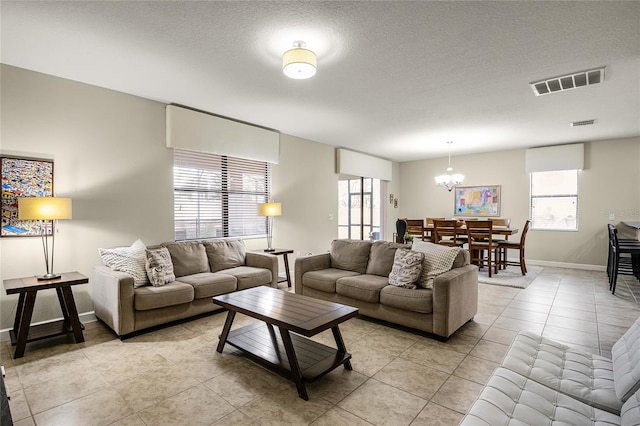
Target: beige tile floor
174,376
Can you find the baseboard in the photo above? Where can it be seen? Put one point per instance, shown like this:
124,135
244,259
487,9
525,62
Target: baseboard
566,265
84,318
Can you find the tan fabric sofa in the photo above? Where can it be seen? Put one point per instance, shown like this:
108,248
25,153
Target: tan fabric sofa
356,273
203,269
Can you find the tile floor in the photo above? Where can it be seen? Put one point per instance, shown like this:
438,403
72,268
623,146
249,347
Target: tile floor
174,376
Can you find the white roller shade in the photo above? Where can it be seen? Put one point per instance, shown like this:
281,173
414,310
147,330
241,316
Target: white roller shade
357,164
197,131
559,157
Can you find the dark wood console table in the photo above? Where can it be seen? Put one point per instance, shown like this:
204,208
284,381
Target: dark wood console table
289,354
27,288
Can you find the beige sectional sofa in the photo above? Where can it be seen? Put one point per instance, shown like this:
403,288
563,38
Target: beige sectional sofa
202,269
542,381
356,273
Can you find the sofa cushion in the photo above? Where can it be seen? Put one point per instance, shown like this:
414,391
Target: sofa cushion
630,413
150,297
438,259
463,258
325,279
159,266
362,287
225,254
248,276
381,257
209,284
407,265
414,300
625,355
512,399
188,258
127,259
583,376
350,255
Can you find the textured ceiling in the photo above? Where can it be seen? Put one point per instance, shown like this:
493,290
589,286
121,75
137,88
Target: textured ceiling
395,79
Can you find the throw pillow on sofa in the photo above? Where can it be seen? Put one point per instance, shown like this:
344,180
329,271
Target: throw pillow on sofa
159,266
225,254
407,265
188,258
438,259
127,259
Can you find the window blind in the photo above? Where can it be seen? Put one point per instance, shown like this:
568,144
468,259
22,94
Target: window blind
217,195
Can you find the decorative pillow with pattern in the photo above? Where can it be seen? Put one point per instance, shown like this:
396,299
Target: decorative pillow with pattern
159,267
438,259
407,265
128,259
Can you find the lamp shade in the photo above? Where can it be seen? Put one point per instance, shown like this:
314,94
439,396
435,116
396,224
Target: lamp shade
269,209
299,63
44,208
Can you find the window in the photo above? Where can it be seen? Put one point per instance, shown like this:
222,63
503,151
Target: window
554,200
217,195
359,209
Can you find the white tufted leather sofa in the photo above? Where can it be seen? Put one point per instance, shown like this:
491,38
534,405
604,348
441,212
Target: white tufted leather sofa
543,382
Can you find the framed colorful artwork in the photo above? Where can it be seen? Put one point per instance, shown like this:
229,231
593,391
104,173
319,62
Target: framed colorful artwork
23,177
477,200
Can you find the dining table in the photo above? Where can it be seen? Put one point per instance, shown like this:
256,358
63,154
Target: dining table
498,230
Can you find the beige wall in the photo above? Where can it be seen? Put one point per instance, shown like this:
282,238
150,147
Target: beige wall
609,183
110,158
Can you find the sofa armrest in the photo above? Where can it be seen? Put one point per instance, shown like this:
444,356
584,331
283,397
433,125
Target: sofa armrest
112,295
311,262
455,299
266,261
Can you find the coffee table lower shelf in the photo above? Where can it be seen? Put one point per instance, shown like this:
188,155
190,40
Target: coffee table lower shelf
264,344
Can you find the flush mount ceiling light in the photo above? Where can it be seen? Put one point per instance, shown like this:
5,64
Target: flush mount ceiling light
299,63
567,82
449,181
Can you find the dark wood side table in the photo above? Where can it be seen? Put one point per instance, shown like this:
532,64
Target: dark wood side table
27,288
284,253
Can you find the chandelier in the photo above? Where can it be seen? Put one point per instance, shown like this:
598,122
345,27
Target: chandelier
449,180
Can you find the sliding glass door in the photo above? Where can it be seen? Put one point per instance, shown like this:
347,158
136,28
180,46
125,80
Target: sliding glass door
359,208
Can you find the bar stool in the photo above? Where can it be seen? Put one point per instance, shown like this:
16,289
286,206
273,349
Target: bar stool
618,263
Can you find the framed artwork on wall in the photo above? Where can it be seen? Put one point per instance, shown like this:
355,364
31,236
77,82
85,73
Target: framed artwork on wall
477,201
23,177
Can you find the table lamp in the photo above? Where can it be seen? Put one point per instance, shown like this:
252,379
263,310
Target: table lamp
45,209
269,210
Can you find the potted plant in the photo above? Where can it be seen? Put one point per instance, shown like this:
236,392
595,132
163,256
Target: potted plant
408,239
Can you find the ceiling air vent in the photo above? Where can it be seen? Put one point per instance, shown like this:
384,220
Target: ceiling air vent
568,82
583,123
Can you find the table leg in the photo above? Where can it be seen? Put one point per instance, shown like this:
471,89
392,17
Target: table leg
341,347
63,307
293,364
20,308
286,268
225,330
22,334
70,312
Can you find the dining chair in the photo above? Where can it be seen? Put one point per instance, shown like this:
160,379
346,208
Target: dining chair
446,232
480,240
624,258
415,227
506,245
501,222
428,235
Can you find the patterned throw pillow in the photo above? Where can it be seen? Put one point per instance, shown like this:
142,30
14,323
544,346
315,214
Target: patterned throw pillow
438,259
407,265
159,267
128,259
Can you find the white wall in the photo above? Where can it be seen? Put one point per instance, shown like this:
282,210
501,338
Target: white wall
609,183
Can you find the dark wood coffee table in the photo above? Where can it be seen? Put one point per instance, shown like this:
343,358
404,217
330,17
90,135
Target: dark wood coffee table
290,355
